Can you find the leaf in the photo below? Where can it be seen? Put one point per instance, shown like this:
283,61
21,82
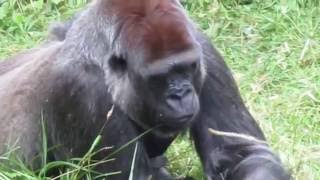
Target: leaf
38,4
56,2
4,11
19,19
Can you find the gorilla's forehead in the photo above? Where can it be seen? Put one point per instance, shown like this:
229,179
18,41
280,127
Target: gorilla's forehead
141,7
165,36
158,27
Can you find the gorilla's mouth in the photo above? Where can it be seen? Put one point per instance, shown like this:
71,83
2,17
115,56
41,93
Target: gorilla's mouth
182,119
178,122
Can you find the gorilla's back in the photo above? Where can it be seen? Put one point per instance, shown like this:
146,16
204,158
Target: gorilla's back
23,81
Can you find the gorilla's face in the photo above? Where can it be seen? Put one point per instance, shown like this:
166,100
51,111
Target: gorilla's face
169,89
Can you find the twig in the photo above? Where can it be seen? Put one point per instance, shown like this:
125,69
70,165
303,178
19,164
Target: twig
236,135
109,114
133,162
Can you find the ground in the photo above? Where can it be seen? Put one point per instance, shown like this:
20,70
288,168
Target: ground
272,47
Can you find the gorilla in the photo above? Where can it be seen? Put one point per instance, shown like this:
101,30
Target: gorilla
146,60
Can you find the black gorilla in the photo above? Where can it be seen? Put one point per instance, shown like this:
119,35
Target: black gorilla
159,72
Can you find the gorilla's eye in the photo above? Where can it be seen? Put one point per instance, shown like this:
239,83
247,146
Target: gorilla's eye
118,63
194,66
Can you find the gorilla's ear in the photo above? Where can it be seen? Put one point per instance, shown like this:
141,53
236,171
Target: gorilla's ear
117,63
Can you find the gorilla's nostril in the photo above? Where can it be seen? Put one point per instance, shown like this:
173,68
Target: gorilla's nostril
187,91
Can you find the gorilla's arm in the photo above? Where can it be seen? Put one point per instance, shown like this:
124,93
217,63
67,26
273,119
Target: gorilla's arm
76,108
223,109
76,114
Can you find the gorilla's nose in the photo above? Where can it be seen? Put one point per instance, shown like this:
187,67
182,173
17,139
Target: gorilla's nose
178,93
180,101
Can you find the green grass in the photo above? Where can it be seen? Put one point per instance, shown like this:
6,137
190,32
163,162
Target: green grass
273,48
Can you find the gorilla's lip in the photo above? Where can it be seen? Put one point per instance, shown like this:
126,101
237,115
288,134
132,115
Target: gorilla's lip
178,121
183,119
